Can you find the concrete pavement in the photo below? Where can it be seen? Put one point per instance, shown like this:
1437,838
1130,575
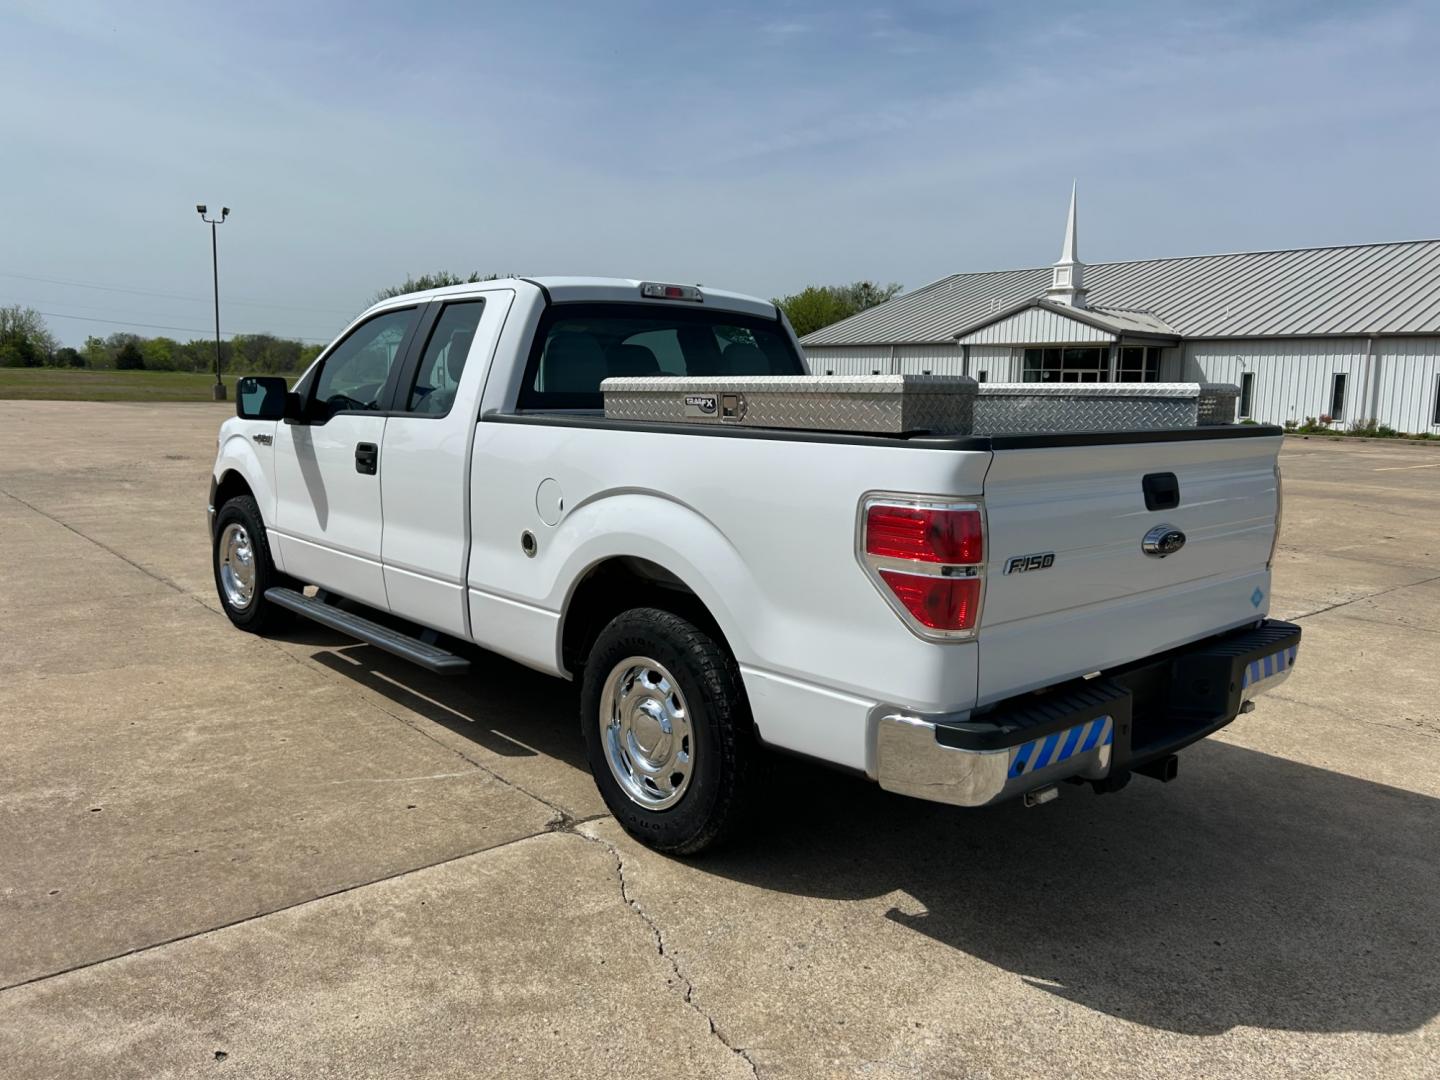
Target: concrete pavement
222,855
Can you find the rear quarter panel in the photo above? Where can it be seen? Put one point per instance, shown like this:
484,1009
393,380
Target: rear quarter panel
762,530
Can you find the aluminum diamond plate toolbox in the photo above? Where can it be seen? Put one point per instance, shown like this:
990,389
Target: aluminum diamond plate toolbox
1019,408
875,404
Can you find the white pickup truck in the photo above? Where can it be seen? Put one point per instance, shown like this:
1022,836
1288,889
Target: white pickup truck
960,618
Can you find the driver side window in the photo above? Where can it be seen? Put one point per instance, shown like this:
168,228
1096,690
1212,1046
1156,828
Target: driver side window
354,376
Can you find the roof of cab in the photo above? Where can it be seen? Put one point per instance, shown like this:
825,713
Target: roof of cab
569,290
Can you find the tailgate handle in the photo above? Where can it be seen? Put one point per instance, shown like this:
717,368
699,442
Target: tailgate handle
1162,491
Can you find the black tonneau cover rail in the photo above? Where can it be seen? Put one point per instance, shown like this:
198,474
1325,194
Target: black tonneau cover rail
919,440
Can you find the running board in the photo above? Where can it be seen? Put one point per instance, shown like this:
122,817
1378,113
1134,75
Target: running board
429,656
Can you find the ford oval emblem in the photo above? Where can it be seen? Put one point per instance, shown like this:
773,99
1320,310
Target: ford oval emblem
1163,540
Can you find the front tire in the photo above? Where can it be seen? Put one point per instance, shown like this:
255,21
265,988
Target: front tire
668,731
240,556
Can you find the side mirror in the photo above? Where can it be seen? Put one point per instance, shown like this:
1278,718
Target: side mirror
261,397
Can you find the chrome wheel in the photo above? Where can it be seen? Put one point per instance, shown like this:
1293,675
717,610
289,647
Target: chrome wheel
645,730
237,566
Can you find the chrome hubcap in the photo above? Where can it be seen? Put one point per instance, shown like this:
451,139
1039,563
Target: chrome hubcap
646,731
237,566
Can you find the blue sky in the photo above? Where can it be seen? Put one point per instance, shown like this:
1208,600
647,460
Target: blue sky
760,147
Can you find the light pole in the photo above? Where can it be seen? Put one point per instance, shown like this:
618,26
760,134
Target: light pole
219,388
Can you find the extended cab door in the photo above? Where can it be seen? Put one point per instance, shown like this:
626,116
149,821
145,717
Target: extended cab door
428,441
328,467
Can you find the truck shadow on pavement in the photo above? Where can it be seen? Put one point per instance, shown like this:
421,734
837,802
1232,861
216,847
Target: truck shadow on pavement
1253,891
500,706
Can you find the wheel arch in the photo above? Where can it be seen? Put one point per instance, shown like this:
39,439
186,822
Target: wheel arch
229,485
618,583
239,471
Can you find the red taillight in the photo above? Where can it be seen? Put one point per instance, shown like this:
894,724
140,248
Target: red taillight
929,534
939,603
928,557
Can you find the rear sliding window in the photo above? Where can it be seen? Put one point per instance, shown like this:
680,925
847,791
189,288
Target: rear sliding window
578,345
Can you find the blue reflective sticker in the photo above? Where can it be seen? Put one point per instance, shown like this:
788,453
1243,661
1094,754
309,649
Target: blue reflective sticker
1070,741
1045,751
1017,768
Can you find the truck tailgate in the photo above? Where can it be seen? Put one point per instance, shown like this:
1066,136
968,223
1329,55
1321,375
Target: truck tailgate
1102,600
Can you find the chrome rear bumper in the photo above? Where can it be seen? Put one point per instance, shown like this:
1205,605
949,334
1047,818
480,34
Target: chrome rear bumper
1121,721
913,760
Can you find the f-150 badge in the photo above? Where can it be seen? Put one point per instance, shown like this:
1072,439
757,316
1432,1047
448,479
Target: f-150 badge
1023,564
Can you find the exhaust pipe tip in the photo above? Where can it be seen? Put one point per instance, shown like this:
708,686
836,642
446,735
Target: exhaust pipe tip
1163,769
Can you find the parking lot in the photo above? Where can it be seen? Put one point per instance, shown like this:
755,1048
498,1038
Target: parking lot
302,857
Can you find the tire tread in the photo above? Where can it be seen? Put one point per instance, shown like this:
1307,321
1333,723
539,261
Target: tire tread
728,732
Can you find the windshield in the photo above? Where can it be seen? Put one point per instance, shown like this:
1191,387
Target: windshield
578,345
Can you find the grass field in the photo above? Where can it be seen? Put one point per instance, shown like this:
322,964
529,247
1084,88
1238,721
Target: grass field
60,384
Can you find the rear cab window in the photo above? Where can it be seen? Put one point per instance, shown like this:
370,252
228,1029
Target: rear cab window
578,345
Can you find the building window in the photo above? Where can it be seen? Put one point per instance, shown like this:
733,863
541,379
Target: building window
1086,364
1337,396
1247,393
985,375
1136,363
1139,363
1435,418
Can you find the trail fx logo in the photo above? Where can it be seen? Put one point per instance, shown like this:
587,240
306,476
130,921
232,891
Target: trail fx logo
701,405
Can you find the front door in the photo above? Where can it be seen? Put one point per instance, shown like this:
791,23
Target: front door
328,468
427,461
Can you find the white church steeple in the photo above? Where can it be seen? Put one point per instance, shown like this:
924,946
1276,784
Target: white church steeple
1067,275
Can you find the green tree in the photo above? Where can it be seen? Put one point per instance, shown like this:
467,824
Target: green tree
96,354
68,357
129,357
25,340
436,280
821,305
160,353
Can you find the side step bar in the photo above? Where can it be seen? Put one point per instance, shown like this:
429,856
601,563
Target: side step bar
431,657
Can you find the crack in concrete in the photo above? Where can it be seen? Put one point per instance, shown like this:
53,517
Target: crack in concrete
1367,596
161,578
1421,725
658,936
340,891
562,822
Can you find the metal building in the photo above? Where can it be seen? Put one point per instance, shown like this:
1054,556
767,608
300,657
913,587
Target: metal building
1352,332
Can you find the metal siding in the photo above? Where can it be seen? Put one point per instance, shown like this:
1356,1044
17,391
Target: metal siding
1172,365
1292,377
929,359
1037,326
851,360
1407,381
1001,363
1343,291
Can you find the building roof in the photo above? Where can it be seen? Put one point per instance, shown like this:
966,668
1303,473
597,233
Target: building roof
1047,320
1358,289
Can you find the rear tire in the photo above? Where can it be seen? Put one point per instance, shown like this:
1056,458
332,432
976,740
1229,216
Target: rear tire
244,569
668,731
